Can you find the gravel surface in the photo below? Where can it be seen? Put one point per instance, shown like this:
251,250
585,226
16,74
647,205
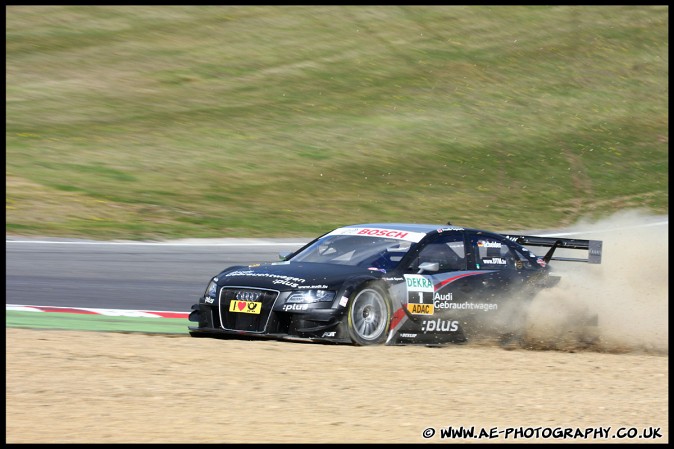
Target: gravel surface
95,387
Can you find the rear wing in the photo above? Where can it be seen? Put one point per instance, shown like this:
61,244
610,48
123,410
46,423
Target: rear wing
593,247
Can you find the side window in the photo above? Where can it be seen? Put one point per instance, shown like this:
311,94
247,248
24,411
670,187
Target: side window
492,253
447,251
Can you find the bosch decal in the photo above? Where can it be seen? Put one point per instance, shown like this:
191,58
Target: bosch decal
380,232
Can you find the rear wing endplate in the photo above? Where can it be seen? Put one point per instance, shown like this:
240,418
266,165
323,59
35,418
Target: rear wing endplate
593,247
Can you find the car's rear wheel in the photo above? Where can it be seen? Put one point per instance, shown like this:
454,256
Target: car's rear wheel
369,316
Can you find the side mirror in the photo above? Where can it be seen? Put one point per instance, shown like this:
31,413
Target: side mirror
284,255
428,266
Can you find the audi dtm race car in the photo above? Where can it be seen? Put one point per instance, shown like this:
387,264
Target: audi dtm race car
384,283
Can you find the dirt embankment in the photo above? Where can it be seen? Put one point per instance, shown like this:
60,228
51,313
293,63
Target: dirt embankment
89,387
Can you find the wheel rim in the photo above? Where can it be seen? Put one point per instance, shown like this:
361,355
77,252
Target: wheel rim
369,314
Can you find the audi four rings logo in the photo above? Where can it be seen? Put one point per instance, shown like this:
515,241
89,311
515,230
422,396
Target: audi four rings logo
247,296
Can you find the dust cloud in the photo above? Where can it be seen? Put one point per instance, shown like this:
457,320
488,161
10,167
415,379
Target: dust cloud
628,291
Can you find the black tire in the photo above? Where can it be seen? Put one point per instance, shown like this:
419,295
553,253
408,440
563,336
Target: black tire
369,316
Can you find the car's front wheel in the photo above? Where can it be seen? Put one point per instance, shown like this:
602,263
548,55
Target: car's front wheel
369,316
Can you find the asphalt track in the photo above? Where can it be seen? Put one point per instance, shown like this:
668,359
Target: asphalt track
114,277
111,281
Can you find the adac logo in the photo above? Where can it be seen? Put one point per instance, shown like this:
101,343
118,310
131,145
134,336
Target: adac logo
245,307
421,309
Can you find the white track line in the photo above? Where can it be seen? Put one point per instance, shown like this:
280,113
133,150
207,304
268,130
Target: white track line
659,223
107,312
160,243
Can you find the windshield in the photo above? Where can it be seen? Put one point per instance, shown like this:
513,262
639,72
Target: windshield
356,250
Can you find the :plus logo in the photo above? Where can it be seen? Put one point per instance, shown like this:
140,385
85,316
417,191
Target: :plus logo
439,325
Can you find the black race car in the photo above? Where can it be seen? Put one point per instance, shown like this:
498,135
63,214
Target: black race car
385,283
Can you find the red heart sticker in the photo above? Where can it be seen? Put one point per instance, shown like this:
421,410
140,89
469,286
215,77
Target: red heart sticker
241,305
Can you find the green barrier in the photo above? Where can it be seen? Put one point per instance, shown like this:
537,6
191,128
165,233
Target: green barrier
74,321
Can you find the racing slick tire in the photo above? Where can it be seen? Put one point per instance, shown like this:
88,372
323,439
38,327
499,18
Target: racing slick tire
369,316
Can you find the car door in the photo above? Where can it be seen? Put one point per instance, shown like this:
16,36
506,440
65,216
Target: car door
499,263
439,280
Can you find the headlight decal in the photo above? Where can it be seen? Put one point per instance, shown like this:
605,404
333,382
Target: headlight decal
212,289
310,296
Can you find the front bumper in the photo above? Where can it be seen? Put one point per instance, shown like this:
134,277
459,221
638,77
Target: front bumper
318,324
